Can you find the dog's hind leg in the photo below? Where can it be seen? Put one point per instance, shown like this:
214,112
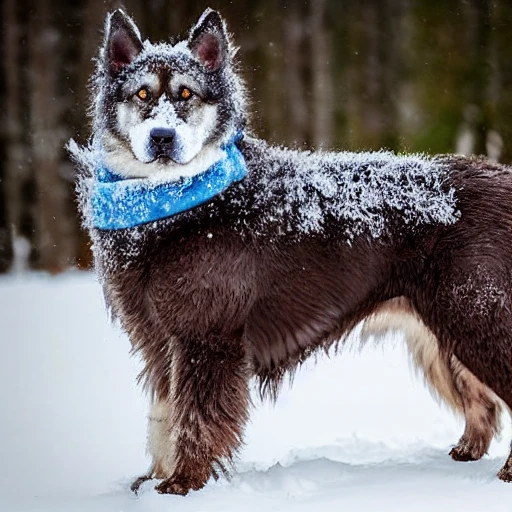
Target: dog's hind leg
448,379
209,408
482,410
505,473
472,315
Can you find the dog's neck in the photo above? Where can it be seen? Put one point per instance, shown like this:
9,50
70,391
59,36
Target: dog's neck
120,203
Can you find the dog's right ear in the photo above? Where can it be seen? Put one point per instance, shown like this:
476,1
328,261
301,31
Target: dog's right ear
208,40
122,41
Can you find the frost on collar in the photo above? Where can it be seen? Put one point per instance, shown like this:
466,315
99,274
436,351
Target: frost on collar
118,203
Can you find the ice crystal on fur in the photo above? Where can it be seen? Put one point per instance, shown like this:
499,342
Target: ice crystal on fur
301,191
483,292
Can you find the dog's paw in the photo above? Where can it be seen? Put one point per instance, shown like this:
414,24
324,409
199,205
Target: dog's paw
171,486
462,453
505,473
137,483
180,485
469,449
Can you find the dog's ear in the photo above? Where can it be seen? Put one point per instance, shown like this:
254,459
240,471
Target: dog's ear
122,41
208,40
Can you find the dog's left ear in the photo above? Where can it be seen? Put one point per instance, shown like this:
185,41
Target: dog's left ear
208,40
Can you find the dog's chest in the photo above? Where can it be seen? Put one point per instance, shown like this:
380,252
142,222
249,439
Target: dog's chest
183,286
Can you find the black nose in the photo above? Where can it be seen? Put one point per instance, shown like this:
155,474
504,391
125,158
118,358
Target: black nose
162,136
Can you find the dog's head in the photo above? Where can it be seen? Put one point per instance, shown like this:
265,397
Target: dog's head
166,107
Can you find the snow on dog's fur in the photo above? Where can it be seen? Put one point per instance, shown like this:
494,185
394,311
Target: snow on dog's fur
287,261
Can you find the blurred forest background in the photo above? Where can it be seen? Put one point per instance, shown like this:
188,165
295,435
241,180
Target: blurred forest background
407,75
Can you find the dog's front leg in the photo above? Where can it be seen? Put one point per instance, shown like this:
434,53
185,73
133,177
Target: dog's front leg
209,408
161,442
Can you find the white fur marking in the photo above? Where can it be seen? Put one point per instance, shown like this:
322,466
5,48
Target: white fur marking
190,138
121,161
162,438
397,315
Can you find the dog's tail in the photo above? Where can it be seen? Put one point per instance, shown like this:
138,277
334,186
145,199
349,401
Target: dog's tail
438,368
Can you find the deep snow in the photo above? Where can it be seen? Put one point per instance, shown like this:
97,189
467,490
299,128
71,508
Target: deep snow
356,432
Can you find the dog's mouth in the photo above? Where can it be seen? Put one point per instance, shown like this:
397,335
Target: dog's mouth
162,158
165,159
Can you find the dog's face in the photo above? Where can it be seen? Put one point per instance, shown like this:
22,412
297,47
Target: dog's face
162,107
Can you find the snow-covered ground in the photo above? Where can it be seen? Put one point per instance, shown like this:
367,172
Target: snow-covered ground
357,432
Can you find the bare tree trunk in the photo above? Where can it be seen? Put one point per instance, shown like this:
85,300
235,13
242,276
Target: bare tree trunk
476,111
54,221
322,100
12,130
293,32
377,101
6,248
408,111
270,96
502,43
92,19
373,76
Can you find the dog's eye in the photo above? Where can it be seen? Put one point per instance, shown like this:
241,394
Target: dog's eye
143,94
185,93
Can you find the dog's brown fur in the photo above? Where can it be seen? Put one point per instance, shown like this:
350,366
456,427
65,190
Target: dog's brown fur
207,309
217,295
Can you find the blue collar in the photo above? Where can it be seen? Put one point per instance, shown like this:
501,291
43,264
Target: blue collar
119,203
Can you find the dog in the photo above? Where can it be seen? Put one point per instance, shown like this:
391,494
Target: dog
226,259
